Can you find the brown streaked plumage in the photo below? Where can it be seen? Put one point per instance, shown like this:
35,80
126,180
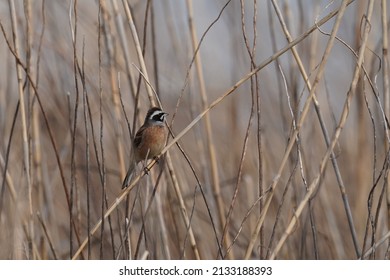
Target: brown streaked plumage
149,140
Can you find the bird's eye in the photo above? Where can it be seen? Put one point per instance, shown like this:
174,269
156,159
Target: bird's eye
158,117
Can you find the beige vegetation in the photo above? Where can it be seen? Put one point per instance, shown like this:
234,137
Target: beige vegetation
279,119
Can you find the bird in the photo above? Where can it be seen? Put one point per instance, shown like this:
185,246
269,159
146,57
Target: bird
149,140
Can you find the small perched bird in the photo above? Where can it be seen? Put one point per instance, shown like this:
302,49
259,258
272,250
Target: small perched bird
149,140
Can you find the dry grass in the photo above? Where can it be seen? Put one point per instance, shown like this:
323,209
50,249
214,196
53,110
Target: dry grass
279,145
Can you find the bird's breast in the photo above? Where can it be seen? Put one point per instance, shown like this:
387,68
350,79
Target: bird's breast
152,142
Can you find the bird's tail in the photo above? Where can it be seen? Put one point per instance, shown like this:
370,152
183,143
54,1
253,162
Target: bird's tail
129,175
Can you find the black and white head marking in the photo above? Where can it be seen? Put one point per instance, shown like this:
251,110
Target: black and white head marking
155,114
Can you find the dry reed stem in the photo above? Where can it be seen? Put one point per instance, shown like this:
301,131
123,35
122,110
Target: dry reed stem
164,230
7,178
73,184
183,208
339,12
376,245
330,215
47,235
251,51
209,136
35,139
105,25
194,53
125,47
322,123
386,92
139,51
26,152
340,126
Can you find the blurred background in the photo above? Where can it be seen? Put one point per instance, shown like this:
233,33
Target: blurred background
242,182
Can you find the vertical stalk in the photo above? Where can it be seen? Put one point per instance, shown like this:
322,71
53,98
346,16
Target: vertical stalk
209,137
139,52
19,72
386,96
113,81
